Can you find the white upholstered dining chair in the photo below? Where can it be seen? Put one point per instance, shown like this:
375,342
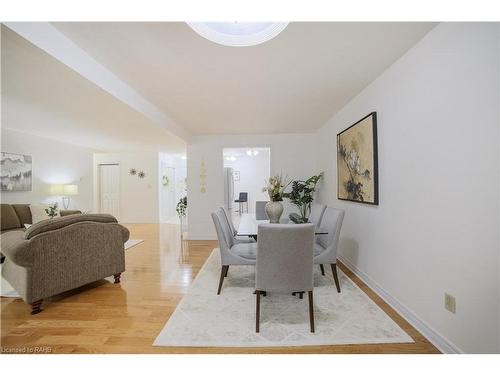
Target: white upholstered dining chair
284,263
316,215
325,246
232,229
231,253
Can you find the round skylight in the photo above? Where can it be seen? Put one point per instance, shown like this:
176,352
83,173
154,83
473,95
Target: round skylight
238,34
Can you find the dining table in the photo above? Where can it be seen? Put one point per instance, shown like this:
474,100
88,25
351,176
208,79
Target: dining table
249,225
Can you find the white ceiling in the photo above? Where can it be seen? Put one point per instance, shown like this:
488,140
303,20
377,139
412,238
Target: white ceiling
293,83
42,96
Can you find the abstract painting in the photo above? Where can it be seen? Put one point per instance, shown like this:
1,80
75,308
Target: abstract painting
357,164
16,172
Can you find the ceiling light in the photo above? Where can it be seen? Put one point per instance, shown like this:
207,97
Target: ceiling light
238,34
249,152
255,152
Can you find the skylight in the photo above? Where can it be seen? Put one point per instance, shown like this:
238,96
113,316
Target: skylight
238,34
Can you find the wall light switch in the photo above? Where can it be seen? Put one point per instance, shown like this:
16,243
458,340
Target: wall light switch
450,303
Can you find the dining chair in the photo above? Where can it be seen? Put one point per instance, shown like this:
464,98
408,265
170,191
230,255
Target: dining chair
232,229
316,215
231,253
260,210
284,263
325,246
242,201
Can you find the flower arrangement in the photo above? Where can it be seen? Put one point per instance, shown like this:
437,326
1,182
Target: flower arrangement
51,211
275,187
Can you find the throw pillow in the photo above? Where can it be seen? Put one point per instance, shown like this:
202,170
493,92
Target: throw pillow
38,212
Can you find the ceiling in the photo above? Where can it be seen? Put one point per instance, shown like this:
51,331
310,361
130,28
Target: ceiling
42,96
291,84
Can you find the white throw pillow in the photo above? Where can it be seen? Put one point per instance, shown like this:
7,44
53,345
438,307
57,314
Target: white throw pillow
38,212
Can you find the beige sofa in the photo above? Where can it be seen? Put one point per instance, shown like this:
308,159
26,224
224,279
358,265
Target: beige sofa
63,253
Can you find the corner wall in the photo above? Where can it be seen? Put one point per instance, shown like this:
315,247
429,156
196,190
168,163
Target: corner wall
436,227
139,197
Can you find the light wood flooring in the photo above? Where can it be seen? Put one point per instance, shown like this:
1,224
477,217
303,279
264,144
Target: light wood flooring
126,318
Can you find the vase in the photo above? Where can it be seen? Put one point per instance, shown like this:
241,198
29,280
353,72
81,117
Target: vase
274,211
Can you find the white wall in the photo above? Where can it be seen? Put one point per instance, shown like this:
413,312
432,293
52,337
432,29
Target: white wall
254,170
53,163
291,154
139,198
436,227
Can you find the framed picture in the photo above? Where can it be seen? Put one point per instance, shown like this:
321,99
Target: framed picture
236,175
357,162
16,172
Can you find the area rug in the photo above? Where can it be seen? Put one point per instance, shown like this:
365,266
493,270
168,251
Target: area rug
204,318
6,290
131,243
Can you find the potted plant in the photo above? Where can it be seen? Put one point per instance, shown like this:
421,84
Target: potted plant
275,188
302,195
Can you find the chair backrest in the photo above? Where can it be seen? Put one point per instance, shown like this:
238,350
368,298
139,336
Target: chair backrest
260,210
226,240
243,197
332,221
285,258
316,216
229,221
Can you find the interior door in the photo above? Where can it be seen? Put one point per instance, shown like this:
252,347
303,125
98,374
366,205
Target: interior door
109,189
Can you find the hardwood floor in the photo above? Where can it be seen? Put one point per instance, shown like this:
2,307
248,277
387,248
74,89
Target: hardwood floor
126,318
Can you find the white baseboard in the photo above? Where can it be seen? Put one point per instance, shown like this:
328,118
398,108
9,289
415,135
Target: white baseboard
439,341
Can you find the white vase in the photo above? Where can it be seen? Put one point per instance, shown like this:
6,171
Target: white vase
274,211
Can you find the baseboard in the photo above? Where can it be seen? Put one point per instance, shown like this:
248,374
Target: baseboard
439,341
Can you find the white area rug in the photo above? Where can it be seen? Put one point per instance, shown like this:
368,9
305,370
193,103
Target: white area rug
130,243
6,290
204,318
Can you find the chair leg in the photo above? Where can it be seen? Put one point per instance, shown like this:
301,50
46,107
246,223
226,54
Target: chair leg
223,272
335,276
311,311
257,311
322,269
117,277
36,307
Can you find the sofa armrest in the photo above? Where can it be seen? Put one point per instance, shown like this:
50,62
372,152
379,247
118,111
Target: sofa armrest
125,232
16,248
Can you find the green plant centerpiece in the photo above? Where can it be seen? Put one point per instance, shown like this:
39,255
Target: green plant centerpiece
302,196
52,210
275,188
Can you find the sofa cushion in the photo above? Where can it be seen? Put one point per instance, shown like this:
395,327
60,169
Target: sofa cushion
23,213
245,250
61,222
38,212
8,218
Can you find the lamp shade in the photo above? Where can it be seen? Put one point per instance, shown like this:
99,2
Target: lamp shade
70,189
59,189
56,189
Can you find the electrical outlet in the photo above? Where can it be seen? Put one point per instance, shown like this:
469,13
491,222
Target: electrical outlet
450,303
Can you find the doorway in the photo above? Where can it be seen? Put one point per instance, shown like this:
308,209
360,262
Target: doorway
109,189
246,170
